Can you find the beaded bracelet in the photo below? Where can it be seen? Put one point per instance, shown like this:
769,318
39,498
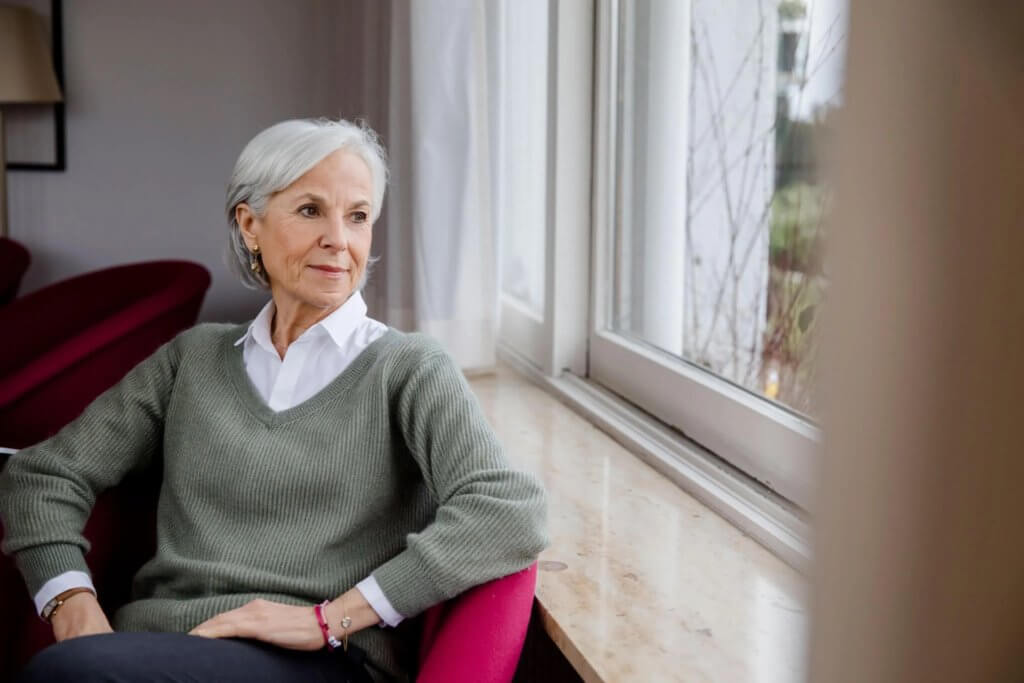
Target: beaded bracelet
330,640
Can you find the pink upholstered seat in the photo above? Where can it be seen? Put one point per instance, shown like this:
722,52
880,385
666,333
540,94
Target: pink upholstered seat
478,636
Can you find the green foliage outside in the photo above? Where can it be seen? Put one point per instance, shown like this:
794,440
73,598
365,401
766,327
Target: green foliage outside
797,214
792,9
796,289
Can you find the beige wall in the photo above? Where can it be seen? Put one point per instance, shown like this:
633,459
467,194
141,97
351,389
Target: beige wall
921,551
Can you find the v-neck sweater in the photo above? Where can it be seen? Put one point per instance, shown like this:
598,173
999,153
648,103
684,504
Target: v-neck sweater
390,470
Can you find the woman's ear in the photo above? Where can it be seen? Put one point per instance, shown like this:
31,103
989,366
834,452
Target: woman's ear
245,218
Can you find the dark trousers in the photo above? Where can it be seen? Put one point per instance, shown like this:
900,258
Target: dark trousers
177,657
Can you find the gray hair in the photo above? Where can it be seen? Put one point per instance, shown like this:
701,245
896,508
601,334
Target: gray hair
280,155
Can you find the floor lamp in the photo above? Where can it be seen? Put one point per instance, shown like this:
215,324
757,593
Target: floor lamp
26,76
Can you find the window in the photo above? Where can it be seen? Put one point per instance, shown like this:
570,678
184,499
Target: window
520,93
702,207
709,274
522,144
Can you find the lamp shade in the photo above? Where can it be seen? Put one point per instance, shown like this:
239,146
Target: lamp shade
26,68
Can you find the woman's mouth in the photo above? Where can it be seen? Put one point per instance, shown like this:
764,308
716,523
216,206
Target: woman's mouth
330,271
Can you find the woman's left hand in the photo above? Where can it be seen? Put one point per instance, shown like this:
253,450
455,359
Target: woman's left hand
286,626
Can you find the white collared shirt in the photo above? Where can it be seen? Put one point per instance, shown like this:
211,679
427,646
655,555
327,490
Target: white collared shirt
310,363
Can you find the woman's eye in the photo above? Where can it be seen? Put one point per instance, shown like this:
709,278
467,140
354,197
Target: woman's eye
360,217
309,211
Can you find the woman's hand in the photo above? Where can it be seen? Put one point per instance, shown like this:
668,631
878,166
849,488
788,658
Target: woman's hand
289,626
80,615
286,626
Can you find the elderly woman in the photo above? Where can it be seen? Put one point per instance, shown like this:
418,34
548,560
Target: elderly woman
312,453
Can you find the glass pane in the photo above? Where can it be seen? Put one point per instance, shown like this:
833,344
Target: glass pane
521,189
721,199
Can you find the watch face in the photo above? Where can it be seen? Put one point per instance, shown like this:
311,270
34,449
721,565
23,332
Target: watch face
50,607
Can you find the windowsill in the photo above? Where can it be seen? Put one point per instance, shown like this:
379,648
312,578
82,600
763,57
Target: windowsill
642,581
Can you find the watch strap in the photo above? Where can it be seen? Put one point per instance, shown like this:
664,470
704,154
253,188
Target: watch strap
53,605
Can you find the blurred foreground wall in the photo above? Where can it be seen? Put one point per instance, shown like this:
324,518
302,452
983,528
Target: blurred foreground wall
921,547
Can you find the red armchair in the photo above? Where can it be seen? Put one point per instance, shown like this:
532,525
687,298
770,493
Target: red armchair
63,345
14,261
478,636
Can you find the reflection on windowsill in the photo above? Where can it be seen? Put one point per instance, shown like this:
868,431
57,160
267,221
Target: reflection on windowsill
641,581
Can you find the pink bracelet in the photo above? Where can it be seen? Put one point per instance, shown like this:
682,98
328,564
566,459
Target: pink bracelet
330,640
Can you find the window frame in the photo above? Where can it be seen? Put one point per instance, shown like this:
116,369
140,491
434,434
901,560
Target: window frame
557,342
772,444
522,326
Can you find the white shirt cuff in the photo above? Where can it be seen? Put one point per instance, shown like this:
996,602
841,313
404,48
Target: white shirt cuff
59,584
375,596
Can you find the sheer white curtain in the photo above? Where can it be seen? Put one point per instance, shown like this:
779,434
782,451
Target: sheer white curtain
439,259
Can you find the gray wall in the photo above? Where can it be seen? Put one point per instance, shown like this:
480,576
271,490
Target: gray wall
161,97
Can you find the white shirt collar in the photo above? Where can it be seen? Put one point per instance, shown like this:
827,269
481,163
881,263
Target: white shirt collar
339,325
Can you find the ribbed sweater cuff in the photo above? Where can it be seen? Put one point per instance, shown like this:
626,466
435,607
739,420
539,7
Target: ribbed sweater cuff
406,585
43,562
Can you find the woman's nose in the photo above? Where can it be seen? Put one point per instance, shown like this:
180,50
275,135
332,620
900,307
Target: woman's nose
334,235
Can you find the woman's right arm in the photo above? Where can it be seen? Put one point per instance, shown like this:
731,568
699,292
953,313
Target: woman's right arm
47,490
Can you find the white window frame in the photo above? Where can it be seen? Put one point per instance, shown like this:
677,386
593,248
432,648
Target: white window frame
744,457
521,325
558,340
771,444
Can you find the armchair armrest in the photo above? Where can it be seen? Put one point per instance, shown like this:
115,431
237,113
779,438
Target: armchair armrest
478,636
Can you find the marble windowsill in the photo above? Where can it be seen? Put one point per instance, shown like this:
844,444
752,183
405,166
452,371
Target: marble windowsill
642,582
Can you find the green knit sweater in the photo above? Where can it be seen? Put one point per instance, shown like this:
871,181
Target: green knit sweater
391,469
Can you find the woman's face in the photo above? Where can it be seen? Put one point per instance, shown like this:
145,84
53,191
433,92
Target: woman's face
315,235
